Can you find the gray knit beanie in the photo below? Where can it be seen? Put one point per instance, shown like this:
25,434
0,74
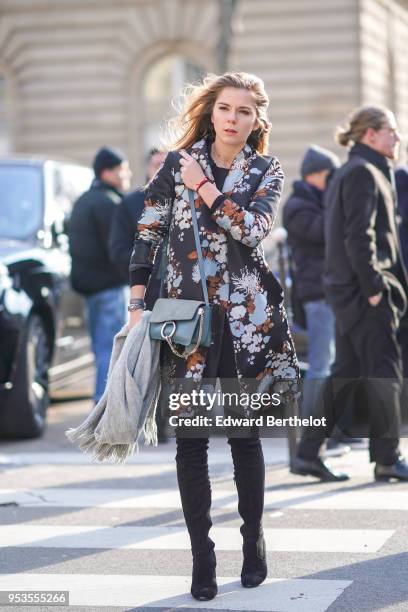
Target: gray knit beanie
316,159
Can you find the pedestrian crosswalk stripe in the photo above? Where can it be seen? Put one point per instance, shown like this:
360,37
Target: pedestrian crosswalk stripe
329,497
279,454
176,538
108,591
108,498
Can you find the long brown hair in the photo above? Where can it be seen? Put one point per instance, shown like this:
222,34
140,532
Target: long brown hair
194,120
358,123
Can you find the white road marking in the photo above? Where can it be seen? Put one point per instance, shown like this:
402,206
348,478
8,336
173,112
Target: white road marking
327,497
174,591
275,454
174,538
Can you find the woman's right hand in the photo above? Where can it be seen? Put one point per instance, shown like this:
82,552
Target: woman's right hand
134,317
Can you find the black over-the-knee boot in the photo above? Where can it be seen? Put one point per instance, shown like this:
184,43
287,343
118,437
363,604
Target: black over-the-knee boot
195,492
249,475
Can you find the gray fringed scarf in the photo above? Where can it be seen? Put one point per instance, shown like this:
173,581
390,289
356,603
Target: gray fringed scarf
128,405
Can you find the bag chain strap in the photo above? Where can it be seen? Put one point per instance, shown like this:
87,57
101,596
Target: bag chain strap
187,353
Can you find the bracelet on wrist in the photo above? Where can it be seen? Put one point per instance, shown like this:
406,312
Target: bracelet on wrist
136,304
134,307
202,182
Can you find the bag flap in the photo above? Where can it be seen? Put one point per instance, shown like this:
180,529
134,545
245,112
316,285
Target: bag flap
173,309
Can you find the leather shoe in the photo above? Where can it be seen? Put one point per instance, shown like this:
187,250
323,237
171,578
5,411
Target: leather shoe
318,468
398,470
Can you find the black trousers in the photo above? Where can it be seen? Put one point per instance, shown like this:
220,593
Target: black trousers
192,465
369,357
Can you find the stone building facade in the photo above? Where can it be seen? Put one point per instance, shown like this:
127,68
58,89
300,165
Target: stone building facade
76,74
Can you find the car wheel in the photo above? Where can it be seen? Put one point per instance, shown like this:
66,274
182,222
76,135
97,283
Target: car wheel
26,413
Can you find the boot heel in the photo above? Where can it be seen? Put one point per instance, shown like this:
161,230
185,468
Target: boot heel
254,568
204,585
381,478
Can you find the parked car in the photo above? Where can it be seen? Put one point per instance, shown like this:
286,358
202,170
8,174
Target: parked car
43,338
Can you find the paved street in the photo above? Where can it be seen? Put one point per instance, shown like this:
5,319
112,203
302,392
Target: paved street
114,536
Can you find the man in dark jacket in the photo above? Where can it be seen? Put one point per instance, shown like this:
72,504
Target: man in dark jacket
124,226
303,218
93,274
401,179
366,285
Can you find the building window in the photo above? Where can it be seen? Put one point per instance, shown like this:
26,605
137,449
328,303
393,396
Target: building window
162,87
4,134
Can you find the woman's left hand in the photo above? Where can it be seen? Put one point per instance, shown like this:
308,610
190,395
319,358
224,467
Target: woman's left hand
191,171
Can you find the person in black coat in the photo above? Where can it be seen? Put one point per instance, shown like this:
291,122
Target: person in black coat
401,179
303,218
366,285
93,274
124,225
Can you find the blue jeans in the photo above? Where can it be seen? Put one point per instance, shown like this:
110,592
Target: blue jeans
320,325
106,312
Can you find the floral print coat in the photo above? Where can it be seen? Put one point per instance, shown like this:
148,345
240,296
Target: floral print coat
238,278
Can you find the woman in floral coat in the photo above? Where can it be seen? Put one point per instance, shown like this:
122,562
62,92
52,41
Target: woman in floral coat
219,154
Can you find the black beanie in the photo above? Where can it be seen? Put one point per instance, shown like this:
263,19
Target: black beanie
317,159
107,158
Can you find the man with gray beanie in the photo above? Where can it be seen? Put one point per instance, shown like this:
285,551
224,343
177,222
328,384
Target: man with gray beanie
93,274
303,218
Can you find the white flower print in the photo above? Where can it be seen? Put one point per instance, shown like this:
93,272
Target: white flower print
185,221
196,273
161,210
237,298
249,282
238,312
210,269
237,328
247,336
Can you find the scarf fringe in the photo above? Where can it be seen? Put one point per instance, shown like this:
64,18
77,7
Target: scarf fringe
84,437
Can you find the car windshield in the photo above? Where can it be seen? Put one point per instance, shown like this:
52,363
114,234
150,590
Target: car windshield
21,207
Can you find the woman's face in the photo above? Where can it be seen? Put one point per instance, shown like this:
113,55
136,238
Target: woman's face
234,116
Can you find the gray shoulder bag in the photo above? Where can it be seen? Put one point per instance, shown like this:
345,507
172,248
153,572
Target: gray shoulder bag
184,322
